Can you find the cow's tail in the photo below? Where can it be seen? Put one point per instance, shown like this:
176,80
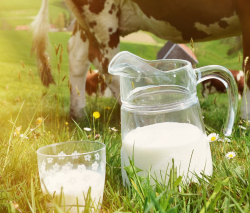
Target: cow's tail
40,27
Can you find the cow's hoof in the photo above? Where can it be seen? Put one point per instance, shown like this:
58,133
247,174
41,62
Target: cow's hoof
77,115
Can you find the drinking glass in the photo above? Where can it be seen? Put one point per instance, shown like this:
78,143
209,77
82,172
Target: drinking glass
73,173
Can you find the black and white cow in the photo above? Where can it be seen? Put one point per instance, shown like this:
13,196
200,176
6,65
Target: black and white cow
95,38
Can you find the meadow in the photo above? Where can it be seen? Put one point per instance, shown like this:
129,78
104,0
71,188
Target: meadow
32,116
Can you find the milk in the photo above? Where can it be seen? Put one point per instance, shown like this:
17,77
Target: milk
76,183
156,145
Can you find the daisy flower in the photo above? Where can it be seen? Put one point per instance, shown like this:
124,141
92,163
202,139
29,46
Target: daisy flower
114,129
16,134
230,155
17,131
213,137
39,121
87,129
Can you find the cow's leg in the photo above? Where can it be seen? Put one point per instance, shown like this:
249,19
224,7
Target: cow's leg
100,21
113,82
243,8
78,66
103,35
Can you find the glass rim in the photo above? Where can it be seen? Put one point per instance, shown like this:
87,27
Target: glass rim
77,154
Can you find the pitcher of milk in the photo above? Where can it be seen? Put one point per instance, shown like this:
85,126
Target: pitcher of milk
161,117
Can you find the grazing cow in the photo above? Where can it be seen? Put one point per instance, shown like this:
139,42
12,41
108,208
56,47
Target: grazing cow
95,83
95,38
213,85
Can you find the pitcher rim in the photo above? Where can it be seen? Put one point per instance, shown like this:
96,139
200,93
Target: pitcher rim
162,72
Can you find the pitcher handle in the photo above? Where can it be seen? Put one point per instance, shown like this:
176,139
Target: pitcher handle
226,77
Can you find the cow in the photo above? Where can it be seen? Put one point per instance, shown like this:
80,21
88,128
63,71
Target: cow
100,23
95,83
213,85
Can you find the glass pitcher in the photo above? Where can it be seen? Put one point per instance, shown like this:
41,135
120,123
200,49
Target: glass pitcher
161,118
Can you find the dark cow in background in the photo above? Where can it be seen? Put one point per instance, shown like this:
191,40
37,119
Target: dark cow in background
213,85
100,23
95,83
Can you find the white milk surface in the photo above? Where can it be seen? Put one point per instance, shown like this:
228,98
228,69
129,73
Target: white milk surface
156,145
76,183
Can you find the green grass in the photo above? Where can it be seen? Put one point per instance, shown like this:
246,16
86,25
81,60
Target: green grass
15,47
14,12
23,100
226,189
215,53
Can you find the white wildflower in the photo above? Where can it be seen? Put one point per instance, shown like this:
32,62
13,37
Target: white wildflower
230,155
87,129
114,129
213,137
242,127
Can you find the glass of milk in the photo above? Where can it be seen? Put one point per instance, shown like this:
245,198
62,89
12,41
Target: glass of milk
161,119
73,173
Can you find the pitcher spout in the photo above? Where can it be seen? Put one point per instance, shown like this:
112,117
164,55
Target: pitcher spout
127,64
